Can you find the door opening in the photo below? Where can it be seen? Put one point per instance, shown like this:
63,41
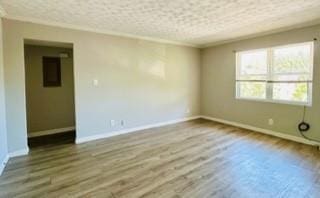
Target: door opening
49,93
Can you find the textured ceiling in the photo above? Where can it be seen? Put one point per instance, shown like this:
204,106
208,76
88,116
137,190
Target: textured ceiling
195,22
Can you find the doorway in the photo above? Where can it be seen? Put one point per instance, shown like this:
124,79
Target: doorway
49,93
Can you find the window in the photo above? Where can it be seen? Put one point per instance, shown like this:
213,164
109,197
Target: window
280,74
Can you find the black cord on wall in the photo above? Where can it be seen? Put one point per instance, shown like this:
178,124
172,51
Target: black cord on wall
304,126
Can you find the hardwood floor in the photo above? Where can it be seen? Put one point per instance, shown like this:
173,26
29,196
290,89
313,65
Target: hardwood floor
193,159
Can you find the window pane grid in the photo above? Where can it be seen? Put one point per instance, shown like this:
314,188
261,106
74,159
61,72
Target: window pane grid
280,74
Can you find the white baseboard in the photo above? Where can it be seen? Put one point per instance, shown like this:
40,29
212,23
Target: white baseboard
130,130
51,131
3,164
18,153
265,131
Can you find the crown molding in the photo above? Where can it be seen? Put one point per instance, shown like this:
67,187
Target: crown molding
153,39
261,34
95,30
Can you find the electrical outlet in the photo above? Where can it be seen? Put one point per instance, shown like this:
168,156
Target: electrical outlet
122,122
112,123
187,110
270,121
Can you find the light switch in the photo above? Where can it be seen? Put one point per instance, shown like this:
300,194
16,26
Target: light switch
95,82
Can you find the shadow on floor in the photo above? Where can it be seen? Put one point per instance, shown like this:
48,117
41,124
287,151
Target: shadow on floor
55,139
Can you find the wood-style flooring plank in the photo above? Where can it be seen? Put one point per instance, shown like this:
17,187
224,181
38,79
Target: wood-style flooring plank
198,158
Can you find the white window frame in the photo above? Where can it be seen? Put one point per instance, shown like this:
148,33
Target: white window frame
269,84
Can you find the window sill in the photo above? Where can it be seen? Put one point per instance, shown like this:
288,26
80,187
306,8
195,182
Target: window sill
276,101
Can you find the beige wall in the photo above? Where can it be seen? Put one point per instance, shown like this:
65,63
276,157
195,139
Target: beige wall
48,107
3,130
140,82
218,86
144,82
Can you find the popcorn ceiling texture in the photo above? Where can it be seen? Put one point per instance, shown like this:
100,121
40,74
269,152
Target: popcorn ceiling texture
196,22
